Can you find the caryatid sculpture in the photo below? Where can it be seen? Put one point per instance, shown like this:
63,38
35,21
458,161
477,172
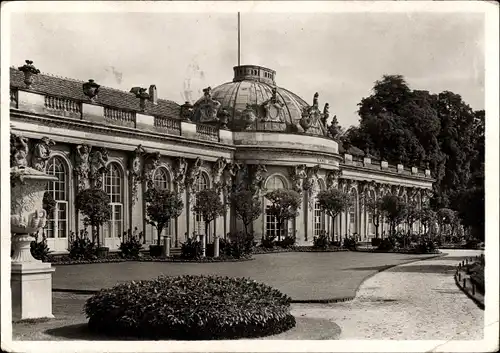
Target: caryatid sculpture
218,170
82,165
180,173
41,154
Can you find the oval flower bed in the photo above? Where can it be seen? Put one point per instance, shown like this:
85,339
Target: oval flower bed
190,308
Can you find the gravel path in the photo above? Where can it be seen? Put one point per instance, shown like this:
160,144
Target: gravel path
417,301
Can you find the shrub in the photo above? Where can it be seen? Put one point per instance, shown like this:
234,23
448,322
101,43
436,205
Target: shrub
267,242
240,244
425,247
190,308
287,242
350,243
321,241
386,244
335,243
191,249
81,247
40,250
472,244
131,244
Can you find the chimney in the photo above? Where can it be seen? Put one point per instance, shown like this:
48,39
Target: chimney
153,94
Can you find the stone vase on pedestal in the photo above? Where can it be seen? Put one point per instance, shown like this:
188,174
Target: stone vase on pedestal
31,279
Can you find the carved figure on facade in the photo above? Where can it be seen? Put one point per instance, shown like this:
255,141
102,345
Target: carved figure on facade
193,172
395,189
326,114
297,174
82,165
181,168
332,178
19,151
152,162
248,117
208,107
310,115
98,160
41,154
257,179
218,170
273,107
230,175
135,169
311,176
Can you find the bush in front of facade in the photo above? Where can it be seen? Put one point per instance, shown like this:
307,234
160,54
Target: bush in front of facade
191,249
131,245
350,243
39,249
386,244
321,241
81,247
190,308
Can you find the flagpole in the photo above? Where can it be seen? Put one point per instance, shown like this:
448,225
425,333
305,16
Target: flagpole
239,49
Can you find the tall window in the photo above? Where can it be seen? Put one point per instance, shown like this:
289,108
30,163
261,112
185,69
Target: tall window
200,184
369,215
113,186
319,216
274,183
352,212
57,221
162,181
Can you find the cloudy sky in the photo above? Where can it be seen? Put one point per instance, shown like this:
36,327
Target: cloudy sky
338,55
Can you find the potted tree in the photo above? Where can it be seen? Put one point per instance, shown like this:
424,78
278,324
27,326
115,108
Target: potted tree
209,206
411,215
162,206
284,206
333,202
93,203
394,209
373,206
246,207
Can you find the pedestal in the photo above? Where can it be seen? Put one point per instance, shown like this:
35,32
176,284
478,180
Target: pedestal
216,246
31,285
166,246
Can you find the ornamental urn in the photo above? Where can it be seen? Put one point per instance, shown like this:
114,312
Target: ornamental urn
90,89
28,186
29,70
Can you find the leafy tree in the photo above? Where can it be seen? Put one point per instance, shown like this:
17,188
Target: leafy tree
161,207
374,207
333,202
209,206
246,207
411,215
393,208
427,217
285,205
446,217
93,203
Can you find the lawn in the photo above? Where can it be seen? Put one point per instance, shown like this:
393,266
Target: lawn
303,276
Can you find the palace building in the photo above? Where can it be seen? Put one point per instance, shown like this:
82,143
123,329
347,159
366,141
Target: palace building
248,130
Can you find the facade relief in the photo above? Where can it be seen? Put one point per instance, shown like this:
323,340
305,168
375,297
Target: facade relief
217,173
42,152
297,174
180,171
273,108
151,163
98,159
135,169
18,151
82,165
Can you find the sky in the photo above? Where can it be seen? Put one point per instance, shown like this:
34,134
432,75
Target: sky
338,55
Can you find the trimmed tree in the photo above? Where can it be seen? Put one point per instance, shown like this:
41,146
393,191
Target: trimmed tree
93,203
411,215
284,206
427,218
333,202
446,217
394,209
209,206
162,206
373,206
246,207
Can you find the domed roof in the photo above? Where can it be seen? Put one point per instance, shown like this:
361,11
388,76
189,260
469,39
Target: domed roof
254,102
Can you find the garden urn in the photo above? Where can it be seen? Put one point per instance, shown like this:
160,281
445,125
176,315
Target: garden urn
29,70
28,186
90,89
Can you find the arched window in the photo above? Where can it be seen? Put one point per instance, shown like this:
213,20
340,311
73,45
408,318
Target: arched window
319,216
201,183
162,179
113,186
274,183
57,221
352,211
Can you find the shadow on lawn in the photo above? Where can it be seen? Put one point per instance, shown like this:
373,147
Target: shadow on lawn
368,268
444,269
82,332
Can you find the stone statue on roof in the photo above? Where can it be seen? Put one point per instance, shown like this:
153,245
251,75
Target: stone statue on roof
208,107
